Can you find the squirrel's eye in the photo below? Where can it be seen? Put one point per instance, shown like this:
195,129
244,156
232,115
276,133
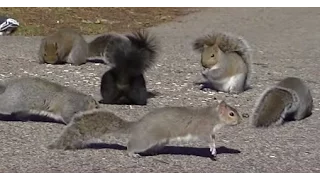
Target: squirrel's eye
212,55
45,54
231,114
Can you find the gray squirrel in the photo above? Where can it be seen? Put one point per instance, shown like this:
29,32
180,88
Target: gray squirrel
154,130
25,97
130,56
226,60
67,45
290,99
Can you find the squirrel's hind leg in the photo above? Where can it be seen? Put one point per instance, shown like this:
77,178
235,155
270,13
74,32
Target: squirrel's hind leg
108,89
138,93
236,84
144,145
69,139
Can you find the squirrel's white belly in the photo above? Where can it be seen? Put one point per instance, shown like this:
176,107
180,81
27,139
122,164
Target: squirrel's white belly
232,82
186,138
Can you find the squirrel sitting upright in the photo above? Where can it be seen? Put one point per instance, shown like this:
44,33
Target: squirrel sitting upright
157,128
227,62
290,99
130,55
25,97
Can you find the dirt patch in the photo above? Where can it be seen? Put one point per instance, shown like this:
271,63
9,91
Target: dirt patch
41,21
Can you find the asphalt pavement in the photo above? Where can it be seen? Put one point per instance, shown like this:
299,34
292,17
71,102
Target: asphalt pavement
285,41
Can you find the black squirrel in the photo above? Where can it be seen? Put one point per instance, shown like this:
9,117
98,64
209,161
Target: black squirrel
130,56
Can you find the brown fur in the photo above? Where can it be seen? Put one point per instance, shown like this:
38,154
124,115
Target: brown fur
64,46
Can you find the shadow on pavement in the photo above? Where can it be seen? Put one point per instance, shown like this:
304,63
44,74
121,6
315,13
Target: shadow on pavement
173,150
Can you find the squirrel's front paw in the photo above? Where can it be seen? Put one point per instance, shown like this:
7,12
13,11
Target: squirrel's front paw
134,155
205,72
213,151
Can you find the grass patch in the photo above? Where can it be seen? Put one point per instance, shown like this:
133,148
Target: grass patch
42,21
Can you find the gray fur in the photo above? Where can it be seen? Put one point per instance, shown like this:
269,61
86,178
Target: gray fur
228,75
79,52
290,99
159,127
32,95
304,95
26,115
72,47
228,43
154,130
215,74
163,125
88,125
98,46
135,51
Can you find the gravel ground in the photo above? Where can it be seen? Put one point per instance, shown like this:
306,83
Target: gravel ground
283,40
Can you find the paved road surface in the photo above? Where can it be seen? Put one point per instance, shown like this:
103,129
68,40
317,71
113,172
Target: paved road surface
286,43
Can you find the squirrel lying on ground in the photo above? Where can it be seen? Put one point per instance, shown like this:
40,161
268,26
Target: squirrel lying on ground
67,45
227,62
130,55
27,96
290,99
155,129
64,46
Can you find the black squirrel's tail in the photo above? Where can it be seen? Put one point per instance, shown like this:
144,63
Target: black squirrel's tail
132,53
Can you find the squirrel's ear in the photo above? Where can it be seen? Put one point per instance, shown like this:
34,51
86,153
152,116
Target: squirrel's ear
215,47
217,50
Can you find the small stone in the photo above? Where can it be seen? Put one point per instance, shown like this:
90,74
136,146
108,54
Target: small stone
245,115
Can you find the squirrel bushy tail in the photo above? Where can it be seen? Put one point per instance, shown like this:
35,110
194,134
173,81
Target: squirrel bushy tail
227,42
89,125
38,116
98,46
130,56
275,103
132,53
